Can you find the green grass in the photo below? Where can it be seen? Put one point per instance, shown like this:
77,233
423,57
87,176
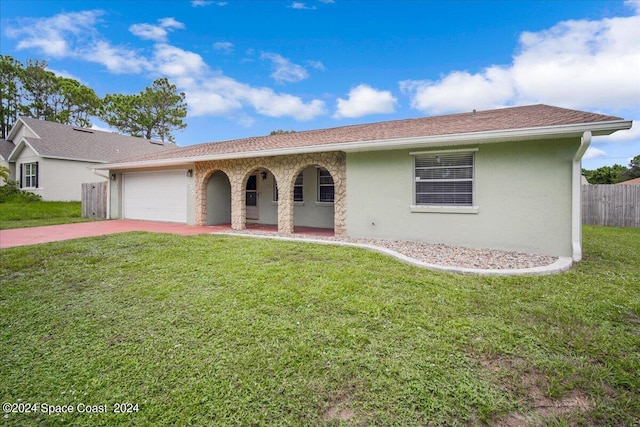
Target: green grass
18,213
214,330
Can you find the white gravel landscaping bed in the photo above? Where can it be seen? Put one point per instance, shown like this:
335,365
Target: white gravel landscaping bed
439,254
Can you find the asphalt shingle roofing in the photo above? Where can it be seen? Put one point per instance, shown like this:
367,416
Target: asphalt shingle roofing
481,121
6,147
67,142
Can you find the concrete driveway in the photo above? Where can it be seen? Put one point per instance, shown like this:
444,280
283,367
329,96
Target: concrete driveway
52,233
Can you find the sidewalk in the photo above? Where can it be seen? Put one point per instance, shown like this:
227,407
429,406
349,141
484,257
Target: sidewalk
53,233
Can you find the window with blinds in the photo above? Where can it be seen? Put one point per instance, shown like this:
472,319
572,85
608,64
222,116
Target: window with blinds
325,186
444,179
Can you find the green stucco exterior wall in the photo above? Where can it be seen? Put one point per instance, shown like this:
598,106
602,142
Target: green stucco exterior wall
522,192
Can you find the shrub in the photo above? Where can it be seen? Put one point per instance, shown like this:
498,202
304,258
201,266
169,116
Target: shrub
10,191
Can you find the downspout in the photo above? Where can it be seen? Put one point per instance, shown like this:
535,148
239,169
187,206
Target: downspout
108,192
576,196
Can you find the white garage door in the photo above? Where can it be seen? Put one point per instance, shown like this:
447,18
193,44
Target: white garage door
155,196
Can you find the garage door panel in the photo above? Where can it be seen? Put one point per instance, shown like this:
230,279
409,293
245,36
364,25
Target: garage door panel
155,196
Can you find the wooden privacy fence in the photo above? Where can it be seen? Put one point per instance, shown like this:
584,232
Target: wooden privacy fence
611,205
94,200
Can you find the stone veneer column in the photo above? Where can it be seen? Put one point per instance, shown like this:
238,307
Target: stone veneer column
285,201
339,174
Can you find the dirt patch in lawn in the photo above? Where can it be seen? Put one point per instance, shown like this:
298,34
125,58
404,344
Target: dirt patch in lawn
528,385
339,409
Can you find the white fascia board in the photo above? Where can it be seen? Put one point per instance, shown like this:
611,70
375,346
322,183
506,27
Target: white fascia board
15,127
18,149
512,135
73,159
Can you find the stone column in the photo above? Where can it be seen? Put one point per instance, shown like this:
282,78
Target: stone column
238,208
285,202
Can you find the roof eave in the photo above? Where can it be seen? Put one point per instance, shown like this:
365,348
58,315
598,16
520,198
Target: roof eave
487,137
14,129
18,149
72,159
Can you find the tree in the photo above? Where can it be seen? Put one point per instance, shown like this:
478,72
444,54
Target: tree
606,174
153,113
10,75
77,103
281,131
614,174
634,168
36,92
39,88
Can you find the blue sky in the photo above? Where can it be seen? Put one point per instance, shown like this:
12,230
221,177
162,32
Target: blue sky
250,67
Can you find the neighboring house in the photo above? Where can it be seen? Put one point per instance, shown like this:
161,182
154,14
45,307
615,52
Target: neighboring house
635,181
6,147
53,160
505,179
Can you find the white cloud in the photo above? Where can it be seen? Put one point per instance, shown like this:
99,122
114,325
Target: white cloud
175,62
593,153
315,64
285,71
217,94
301,6
117,60
634,4
575,64
149,32
363,100
461,91
226,47
54,36
170,22
202,3
157,33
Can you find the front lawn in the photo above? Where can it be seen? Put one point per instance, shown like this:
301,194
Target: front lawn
215,330
18,213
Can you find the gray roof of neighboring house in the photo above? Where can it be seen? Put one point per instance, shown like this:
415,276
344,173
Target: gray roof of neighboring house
58,140
532,116
6,147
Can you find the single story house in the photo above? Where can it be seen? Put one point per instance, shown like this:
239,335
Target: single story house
506,179
53,159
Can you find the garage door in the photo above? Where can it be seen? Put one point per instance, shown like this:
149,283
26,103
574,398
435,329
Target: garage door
155,196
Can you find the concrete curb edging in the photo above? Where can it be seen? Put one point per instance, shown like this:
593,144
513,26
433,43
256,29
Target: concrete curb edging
561,265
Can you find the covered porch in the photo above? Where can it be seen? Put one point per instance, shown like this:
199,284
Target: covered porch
283,194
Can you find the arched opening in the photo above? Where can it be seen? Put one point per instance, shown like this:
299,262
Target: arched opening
261,206
313,192
218,199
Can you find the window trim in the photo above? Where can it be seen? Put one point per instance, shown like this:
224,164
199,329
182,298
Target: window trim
319,185
436,208
29,180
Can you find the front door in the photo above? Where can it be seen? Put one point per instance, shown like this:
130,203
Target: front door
251,197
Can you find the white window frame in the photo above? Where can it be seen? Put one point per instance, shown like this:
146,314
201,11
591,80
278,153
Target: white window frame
30,172
320,185
445,207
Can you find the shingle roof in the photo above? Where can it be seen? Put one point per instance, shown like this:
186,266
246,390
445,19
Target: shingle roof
63,141
635,181
481,121
6,147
